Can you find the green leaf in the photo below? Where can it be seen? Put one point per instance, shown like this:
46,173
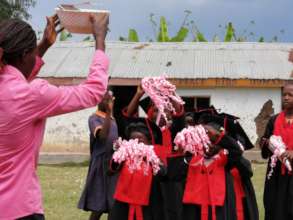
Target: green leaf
200,37
261,40
230,33
88,38
132,36
63,36
122,38
16,9
181,35
163,34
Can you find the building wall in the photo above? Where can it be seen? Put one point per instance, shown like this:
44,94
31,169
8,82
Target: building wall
69,133
244,103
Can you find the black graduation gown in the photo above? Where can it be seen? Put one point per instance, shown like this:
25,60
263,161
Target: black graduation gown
278,190
177,170
249,201
166,192
172,191
153,211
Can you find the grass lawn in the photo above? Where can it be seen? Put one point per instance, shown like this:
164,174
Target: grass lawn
62,185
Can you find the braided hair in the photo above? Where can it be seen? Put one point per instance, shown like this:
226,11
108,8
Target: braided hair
16,38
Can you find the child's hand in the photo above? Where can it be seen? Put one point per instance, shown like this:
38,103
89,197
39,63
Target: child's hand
288,154
110,104
140,90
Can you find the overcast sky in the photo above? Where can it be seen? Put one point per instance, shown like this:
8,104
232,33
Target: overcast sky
271,17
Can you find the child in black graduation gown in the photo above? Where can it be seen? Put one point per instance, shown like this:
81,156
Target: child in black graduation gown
135,196
209,190
170,191
245,200
169,129
278,191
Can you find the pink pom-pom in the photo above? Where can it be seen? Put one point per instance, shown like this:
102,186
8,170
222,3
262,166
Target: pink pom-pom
277,147
193,140
136,155
162,93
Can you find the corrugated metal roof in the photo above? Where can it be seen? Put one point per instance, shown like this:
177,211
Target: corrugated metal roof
179,60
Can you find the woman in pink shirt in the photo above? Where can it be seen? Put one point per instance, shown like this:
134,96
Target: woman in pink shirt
25,103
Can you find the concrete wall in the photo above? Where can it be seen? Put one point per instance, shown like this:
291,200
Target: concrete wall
69,133
244,103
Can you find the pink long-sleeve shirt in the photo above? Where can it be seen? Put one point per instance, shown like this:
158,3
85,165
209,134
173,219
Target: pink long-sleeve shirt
24,107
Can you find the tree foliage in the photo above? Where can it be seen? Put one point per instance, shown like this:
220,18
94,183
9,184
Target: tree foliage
15,9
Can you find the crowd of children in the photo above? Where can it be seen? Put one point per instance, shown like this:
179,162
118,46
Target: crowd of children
213,185
149,174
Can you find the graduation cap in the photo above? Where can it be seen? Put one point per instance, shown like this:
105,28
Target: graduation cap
231,125
146,103
146,126
210,110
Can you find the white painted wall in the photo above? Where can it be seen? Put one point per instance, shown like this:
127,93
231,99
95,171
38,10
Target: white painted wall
244,103
69,133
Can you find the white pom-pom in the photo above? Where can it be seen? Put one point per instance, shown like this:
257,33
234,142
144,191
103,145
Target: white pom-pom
193,140
136,155
162,93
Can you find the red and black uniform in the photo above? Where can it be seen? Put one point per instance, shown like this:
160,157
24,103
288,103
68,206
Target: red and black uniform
246,204
278,191
133,195
167,193
209,190
138,196
172,191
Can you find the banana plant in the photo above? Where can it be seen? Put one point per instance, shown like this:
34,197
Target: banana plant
197,35
161,32
181,35
261,40
163,35
133,36
64,35
183,31
230,33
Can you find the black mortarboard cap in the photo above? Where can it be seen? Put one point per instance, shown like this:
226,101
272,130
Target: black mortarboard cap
231,125
146,103
197,114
